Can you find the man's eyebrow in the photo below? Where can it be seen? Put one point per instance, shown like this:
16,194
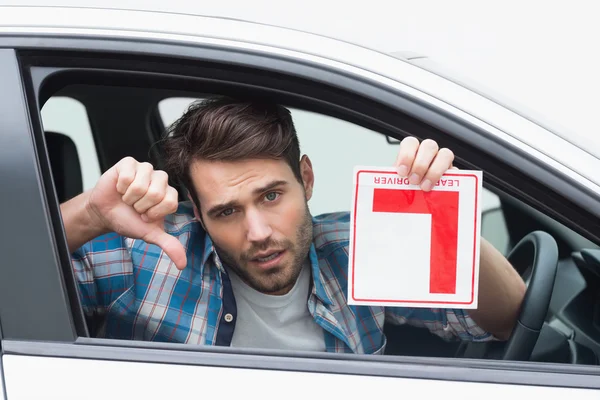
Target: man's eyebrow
213,211
269,186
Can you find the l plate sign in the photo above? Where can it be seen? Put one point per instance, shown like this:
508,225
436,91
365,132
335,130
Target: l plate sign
410,248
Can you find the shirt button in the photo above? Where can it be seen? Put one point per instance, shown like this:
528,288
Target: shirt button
228,317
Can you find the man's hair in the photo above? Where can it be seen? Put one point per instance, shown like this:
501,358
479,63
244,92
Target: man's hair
227,129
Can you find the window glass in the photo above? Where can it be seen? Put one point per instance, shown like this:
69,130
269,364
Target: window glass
67,116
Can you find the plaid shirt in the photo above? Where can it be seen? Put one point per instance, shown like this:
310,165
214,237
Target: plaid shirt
139,294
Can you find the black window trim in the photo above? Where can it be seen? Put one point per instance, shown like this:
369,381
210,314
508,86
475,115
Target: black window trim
482,142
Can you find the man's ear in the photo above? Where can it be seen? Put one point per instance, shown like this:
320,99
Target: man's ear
308,176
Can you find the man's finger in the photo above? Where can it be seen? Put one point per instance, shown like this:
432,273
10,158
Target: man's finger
406,155
167,206
126,169
159,182
441,163
425,156
138,188
170,245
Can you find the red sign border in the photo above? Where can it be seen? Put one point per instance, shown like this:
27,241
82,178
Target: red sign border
474,247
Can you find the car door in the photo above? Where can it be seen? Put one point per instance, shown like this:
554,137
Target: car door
48,346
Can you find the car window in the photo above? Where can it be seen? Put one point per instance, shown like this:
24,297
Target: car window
66,116
335,147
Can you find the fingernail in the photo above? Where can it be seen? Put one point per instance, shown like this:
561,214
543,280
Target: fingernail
426,185
414,179
403,171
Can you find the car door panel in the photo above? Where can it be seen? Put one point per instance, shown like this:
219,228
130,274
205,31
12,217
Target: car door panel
151,372
30,377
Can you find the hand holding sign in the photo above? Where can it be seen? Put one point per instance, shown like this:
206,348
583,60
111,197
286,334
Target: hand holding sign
423,164
410,245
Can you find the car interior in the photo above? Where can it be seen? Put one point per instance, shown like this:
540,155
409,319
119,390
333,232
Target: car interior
125,122
66,168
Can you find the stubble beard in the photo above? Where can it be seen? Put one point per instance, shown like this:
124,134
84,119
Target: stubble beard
278,278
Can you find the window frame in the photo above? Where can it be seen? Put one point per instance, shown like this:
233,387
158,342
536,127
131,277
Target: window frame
468,140
21,312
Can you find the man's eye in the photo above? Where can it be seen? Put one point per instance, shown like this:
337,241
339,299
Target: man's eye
272,196
227,212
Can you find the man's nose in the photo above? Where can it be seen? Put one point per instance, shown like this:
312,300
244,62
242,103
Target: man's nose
259,229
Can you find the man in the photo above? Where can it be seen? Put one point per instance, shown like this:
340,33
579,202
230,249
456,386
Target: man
243,263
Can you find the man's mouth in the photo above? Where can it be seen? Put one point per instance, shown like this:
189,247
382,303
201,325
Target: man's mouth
268,258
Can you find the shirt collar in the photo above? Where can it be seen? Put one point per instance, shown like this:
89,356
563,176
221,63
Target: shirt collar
209,253
319,288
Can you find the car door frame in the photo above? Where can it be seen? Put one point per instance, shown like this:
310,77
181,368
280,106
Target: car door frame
33,339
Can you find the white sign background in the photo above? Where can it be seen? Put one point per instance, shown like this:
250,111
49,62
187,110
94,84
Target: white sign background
390,251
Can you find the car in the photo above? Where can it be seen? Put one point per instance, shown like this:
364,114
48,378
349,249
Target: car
84,87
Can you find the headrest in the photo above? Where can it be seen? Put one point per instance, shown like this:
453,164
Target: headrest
66,169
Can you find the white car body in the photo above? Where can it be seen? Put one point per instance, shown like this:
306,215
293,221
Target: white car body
64,377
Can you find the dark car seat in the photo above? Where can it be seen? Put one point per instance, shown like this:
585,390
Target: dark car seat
66,168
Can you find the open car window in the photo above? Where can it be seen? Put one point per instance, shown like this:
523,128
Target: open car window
335,146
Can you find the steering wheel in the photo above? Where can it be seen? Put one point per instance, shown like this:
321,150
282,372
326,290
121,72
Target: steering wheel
539,251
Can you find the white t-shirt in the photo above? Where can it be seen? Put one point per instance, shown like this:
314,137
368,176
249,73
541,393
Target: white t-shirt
276,322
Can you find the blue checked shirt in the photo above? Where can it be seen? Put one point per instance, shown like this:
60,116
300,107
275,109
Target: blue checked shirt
137,293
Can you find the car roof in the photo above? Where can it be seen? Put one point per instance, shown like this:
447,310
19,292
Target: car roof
401,71
23,18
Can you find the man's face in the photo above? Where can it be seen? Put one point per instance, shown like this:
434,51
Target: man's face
257,215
